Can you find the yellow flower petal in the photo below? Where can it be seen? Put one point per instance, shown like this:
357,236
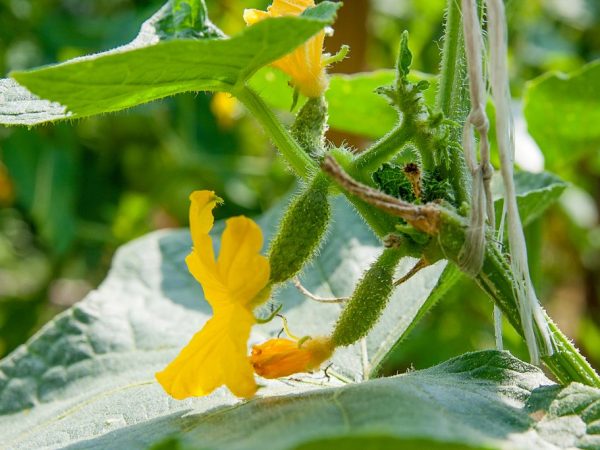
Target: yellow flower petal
243,269
216,356
252,16
305,64
201,216
201,262
278,358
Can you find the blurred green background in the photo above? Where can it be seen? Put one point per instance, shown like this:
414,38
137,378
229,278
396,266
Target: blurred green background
71,194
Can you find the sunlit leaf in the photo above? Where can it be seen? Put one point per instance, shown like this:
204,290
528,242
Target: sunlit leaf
354,107
563,113
147,69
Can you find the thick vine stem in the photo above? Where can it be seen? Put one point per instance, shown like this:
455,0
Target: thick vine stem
453,96
497,280
298,159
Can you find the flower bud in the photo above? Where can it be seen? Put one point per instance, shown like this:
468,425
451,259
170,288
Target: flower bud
278,358
310,126
368,300
301,231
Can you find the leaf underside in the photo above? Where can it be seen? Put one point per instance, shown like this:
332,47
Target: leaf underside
86,380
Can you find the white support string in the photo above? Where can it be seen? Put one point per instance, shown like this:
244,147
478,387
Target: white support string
482,206
529,307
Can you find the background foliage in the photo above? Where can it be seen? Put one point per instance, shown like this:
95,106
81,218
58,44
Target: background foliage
72,193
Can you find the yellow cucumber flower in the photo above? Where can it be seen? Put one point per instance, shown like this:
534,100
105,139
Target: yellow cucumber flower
306,64
217,355
278,358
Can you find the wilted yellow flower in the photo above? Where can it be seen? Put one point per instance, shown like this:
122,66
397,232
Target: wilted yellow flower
217,355
278,358
306,64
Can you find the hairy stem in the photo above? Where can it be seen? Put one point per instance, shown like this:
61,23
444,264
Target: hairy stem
453,96
497,280
297,158
382,151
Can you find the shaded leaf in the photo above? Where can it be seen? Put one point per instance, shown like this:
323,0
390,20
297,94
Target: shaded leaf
187,19
536,192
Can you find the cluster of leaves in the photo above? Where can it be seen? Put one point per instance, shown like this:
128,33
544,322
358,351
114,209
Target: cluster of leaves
392,179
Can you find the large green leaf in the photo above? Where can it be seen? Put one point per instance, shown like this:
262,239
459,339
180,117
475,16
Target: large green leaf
149,69
479,400
86,380
90,371
563,112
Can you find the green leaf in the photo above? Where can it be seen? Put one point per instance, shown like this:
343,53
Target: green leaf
354,107
404,56
485,400
139,72
90,371
536,192
86,380
563,112
188,19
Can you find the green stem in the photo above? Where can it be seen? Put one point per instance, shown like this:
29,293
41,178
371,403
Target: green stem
300,162
567,364
451,54
382,151
496,279
453,98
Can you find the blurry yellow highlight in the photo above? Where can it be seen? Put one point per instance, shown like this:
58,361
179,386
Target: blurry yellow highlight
225,108
306,64
217,354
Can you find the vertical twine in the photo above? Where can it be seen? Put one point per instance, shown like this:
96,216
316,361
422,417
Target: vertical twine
529,308
482,206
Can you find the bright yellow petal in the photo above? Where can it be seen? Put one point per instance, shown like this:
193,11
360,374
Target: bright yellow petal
201,262
243,269
305,64
289,7
216,356
252,16
201,216
206,273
